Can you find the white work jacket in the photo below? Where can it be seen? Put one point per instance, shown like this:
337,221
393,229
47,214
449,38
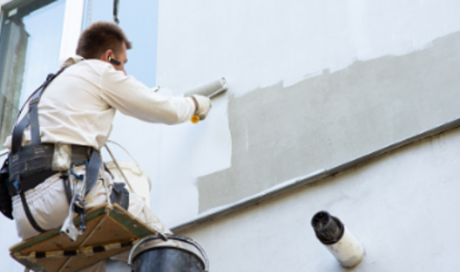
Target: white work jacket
79,105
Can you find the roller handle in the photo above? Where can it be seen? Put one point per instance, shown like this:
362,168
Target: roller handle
209,90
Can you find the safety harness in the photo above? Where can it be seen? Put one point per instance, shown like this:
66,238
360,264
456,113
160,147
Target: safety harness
31,164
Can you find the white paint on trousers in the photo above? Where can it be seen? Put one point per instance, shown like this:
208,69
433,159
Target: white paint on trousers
49,206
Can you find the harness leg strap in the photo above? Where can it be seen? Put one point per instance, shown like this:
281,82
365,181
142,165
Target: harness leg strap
29,214
66,182
92,170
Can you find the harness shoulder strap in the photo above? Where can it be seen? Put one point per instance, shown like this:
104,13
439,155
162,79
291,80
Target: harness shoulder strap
31,118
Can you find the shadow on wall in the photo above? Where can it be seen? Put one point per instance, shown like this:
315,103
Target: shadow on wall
281,133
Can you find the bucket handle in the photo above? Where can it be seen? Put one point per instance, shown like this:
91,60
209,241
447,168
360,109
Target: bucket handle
187,240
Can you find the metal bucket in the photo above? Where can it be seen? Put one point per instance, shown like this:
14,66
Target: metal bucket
160,258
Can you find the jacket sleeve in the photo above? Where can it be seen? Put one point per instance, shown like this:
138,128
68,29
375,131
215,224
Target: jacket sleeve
133,98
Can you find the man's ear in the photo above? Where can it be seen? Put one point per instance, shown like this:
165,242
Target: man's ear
107,54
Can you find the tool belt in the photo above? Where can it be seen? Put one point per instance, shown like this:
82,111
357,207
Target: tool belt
30,165
9,175
33,164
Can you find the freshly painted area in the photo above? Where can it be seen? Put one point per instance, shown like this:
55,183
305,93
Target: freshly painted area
198,149
279,133
312,84
390,204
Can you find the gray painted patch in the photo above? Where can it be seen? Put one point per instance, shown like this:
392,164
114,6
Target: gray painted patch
282,133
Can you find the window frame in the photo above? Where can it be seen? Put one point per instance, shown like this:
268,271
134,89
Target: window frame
71,29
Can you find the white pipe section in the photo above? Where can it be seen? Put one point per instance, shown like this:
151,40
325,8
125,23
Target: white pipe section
331,232
348,250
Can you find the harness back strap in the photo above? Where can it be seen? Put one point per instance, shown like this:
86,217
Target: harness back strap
30,118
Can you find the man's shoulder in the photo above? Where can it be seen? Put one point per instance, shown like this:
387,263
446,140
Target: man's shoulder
92,63
86,68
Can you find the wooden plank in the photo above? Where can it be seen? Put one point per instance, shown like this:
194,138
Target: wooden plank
130,222
119,227
92,213
61,242
80,262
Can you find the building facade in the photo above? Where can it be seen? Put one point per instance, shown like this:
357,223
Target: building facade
344,106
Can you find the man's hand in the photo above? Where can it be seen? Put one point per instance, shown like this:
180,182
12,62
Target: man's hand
202,105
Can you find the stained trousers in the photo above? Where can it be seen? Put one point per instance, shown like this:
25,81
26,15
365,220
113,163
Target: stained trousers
49,206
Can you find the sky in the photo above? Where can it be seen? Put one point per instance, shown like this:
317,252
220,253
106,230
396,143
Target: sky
139,20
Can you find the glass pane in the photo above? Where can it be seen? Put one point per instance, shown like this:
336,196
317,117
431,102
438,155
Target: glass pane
138,19
29,50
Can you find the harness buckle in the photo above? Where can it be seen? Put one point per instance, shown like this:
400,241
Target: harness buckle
77,205
17,186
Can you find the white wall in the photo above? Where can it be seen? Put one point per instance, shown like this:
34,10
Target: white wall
297,103
312,84
260,43
402,207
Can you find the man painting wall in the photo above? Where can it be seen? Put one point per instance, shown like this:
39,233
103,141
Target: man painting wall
76,111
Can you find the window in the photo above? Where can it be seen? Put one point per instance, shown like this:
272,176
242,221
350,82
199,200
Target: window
30,41
139,20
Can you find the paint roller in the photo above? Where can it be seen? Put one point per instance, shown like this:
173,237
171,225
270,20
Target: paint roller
210,89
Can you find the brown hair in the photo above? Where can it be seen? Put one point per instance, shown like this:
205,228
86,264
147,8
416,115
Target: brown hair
100,37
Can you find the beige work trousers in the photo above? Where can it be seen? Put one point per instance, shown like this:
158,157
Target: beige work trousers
49,206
